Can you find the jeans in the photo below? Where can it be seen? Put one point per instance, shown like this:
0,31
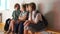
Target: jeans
21,29
16,28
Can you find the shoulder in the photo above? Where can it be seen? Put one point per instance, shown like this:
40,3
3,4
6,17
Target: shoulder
14,11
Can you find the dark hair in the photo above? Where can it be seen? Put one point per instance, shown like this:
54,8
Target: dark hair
17,5
24,7
33,5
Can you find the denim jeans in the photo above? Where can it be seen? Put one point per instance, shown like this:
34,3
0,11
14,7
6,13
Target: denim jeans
21,29
16,27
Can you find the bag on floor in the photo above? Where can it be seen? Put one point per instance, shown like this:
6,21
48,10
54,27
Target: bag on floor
6,27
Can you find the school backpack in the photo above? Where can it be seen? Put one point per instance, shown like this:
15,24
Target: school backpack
6,27
44,19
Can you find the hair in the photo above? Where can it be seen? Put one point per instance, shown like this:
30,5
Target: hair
17,5
24,6
33,6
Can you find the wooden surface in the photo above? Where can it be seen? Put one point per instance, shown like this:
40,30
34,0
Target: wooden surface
47,31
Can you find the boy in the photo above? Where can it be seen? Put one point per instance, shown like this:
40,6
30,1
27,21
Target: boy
22,18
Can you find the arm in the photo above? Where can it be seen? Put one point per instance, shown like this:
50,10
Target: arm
38,17
22,18
30,16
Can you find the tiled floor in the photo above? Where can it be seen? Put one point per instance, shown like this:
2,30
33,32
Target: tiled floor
44,32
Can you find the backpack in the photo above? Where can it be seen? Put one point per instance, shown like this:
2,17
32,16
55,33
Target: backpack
7,23
43,18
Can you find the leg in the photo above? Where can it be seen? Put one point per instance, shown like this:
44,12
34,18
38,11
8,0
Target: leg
10,27
32,32
16,27
21,28
38,33
25,31
13,23
28,32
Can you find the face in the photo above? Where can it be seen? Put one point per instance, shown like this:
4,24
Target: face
16,8
29,8
22,9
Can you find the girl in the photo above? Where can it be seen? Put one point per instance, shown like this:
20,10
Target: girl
15,16
34,22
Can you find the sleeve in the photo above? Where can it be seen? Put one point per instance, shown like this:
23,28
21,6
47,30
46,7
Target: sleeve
13,14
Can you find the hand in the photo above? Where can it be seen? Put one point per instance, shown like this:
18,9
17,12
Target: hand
26,22
26,25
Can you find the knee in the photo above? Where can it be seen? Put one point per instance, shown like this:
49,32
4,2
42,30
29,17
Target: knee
12,21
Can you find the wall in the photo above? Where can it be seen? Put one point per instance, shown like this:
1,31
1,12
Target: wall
46,4
57,15
8,13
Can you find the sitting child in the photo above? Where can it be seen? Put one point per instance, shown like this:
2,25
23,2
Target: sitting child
22,18
34,22
15,16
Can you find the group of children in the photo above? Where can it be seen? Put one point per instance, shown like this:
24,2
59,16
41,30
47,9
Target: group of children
25,18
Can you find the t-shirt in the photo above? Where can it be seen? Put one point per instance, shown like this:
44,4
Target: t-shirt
23,13
15,14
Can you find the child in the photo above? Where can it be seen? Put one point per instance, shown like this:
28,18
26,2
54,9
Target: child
27,16
34,21
22,18
15,16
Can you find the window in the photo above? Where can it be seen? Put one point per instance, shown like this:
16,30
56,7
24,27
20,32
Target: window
0,2
4,4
